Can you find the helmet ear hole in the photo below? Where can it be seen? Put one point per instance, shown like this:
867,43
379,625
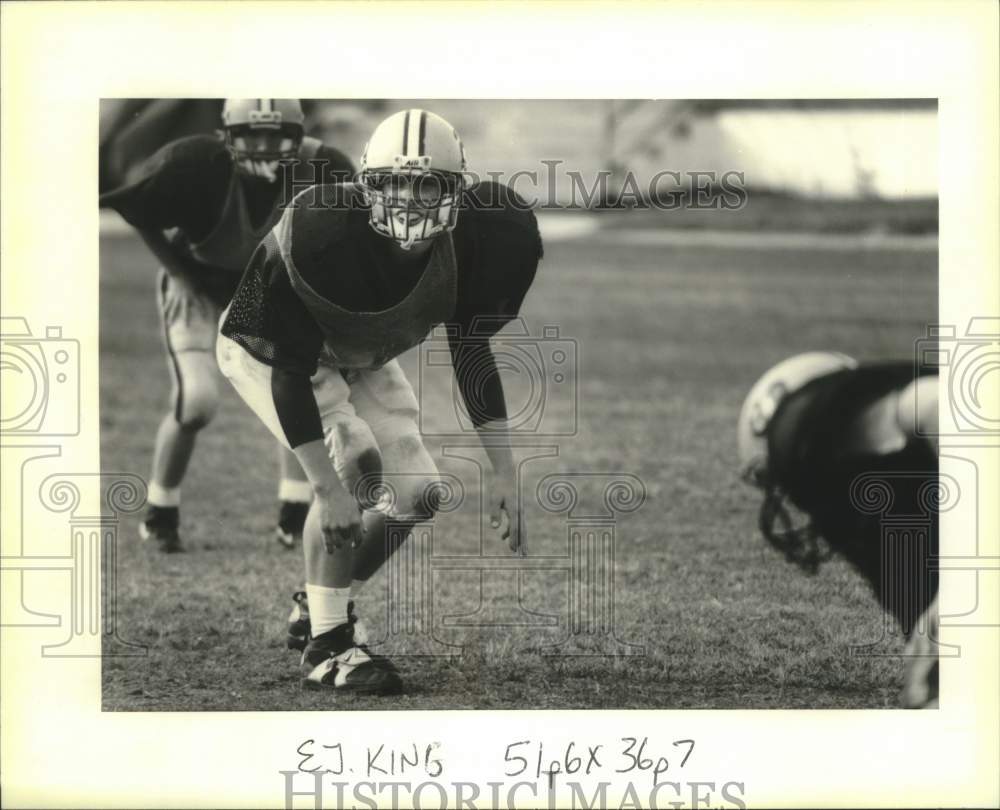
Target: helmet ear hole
770,392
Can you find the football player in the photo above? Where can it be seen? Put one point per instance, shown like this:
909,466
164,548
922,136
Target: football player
353,276
202,204
823,435
133,129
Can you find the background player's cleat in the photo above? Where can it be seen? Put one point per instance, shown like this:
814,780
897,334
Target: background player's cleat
298,623
291,521
335,660
160,526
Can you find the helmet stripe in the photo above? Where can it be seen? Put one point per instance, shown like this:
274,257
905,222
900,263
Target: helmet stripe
406,132
414,135
423,132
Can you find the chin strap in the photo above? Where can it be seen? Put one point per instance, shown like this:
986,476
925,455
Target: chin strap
801,544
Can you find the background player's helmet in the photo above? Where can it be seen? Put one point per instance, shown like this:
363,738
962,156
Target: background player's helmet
413,174
766,396
263,129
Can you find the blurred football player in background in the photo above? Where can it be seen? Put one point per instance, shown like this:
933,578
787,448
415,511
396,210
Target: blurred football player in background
132,129
352,277
202,203
817,430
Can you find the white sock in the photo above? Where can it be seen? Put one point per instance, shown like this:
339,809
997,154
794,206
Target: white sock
359,589
327,607
295,491
157,495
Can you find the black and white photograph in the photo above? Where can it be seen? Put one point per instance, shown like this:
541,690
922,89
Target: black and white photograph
492,405
459,397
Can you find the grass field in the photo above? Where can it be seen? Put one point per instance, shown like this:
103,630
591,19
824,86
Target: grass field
668,340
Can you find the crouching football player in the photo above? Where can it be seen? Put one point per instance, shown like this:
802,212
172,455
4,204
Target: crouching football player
823,434
350,278
202,204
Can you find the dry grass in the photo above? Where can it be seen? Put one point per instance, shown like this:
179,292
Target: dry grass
669,340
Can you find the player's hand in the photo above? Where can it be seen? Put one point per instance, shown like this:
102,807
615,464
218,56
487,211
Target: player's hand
339,519
505,511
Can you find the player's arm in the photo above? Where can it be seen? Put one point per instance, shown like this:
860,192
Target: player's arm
494,299
917,410
156,198
160,247
898,418
272,324
481,387
295,403
163,196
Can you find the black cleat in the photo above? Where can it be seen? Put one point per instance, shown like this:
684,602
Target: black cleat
298,622
335,660
291,521
160,526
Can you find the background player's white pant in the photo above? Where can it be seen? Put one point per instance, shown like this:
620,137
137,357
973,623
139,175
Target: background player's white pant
188,318
376,411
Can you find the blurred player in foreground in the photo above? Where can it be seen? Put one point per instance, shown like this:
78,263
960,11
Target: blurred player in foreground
813,433
353,276
202,204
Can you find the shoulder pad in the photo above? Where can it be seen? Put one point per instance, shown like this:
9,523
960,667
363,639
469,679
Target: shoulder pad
495,213
193,151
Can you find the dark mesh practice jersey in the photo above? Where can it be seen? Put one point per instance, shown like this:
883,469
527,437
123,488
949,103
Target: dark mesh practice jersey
213,217
808,458
341,268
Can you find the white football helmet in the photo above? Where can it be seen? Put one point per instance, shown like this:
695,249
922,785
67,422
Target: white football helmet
261,132
766,396
413,174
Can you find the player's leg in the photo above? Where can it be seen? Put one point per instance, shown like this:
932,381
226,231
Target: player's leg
333,657
354,455
409,481
294,497
188,321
